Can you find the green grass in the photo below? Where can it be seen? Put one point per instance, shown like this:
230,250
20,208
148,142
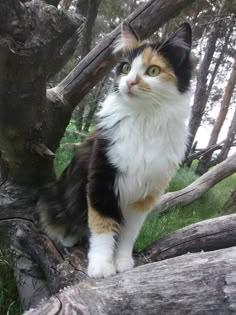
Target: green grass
9,300
64,154
208,206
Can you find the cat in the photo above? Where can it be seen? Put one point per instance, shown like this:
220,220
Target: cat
118,174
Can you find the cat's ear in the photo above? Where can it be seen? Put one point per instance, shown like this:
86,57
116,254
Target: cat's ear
180,42
127,40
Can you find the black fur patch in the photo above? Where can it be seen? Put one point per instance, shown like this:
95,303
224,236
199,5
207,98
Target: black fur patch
101,180
90,173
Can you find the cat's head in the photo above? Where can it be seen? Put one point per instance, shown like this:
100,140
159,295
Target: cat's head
154,71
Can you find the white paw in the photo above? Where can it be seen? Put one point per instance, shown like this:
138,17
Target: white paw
101,268
124,263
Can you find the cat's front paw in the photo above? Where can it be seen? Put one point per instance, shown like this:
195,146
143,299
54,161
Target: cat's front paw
124,263
101,268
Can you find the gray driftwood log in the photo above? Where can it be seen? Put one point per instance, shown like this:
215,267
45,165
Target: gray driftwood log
203,283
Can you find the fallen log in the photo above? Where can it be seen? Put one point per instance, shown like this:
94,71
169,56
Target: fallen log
203,283
208,235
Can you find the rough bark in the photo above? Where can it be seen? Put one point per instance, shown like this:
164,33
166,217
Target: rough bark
203,283
204,163
26,142
200,95
198,187
208,235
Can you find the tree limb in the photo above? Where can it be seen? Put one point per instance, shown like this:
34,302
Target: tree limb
100,60
200,186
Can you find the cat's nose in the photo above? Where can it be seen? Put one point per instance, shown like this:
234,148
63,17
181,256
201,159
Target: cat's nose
131,83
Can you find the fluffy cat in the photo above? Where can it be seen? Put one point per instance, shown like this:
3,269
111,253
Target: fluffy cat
118,174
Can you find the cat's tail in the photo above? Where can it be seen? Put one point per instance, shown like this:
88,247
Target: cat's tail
52,215
62,206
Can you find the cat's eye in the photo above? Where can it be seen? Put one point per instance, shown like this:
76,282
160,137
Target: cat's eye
153,71
126,68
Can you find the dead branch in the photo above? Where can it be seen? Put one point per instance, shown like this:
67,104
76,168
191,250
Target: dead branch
200,186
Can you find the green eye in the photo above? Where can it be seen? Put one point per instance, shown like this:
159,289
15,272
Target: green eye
153,71
126,68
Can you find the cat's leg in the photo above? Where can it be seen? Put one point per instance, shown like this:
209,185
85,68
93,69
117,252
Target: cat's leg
134,217
102,243
128,234
104,213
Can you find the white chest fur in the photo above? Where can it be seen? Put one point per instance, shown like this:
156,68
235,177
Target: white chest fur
147,145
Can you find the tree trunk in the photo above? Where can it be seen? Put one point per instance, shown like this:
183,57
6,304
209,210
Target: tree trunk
200,95
93,105
90,10
26,141
230,205
204,163
229,140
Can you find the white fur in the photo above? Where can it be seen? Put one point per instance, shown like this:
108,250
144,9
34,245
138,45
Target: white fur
101,261
149,135
128,234
125,41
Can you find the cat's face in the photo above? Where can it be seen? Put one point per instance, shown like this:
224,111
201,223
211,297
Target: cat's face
154,71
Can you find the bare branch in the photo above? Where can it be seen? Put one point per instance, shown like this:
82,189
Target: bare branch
100,60
200,186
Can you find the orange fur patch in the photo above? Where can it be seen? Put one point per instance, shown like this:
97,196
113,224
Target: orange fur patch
152,58
101,224
145,204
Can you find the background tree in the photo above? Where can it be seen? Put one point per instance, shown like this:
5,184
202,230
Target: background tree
204,163
200,95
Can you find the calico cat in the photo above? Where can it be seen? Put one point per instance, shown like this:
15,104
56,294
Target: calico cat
118,174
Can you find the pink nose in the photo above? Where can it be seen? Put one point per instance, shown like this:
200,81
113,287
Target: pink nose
131,83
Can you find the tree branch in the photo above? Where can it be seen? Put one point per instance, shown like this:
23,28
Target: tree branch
100,60
200,186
